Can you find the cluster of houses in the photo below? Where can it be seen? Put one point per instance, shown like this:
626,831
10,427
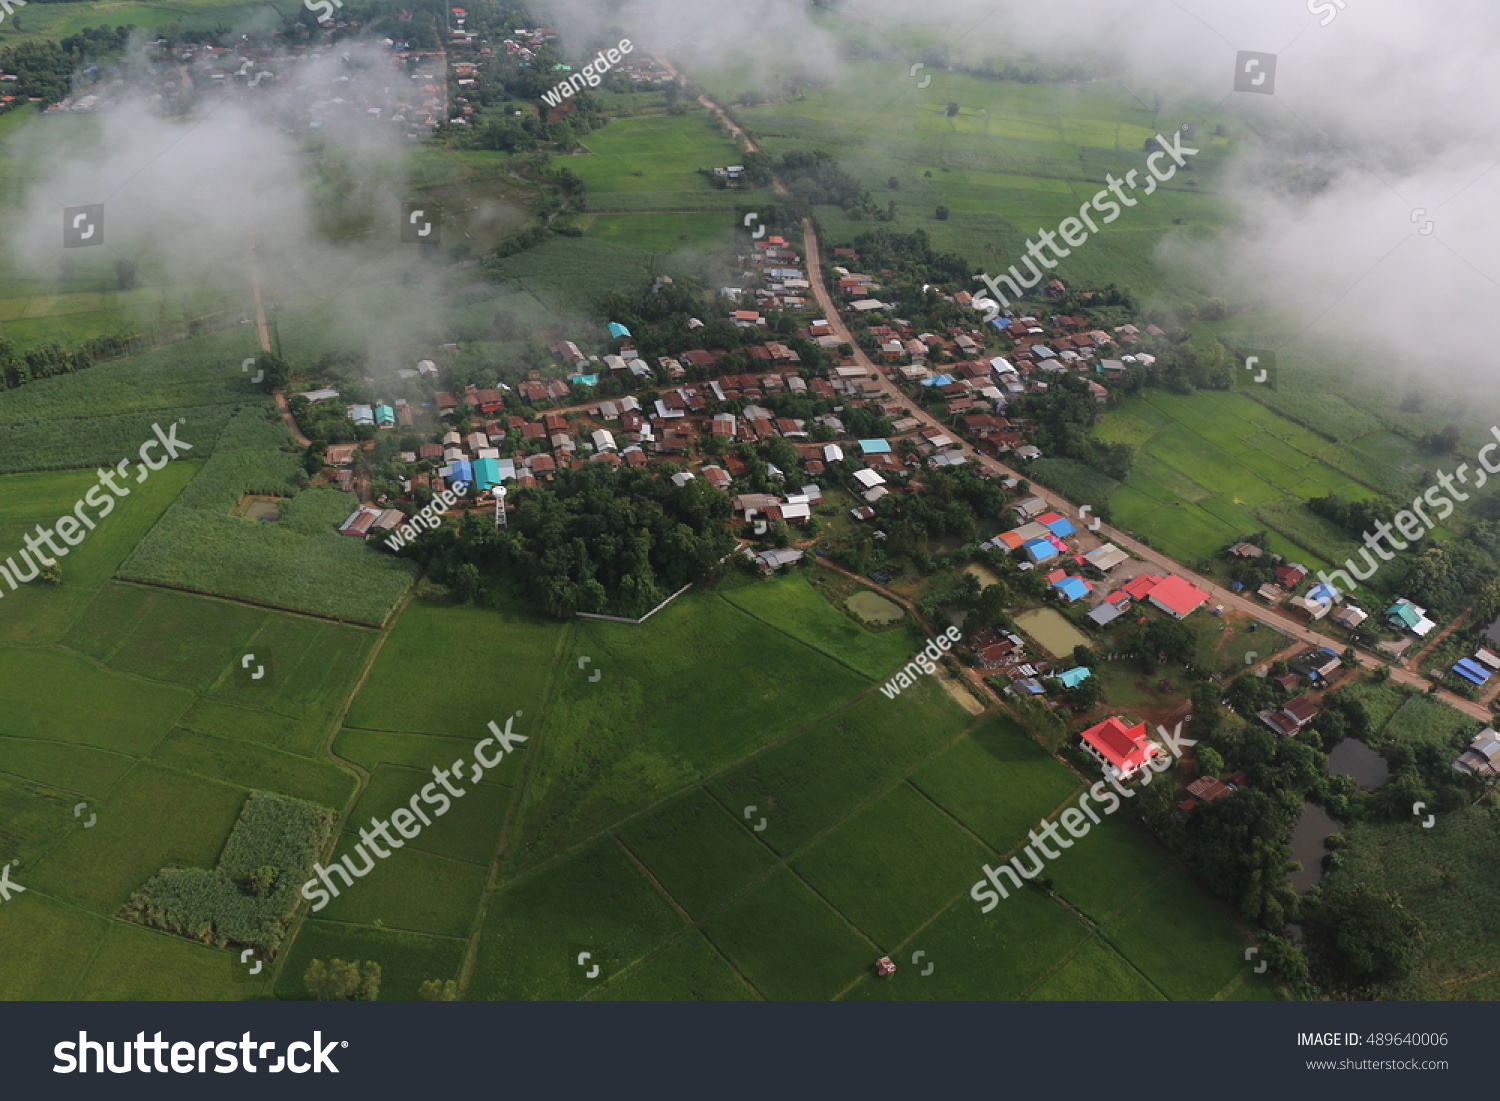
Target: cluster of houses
1319,601
411,98
1004,655
975,385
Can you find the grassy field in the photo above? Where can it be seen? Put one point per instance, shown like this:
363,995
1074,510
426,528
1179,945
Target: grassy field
1220,464
624,827
1016,156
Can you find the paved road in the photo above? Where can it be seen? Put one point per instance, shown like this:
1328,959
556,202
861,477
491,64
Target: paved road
1219,595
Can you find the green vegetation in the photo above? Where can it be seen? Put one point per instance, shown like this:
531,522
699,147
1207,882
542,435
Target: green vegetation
300,562
248,897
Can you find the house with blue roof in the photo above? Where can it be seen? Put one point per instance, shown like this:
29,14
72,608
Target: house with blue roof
1471,671
385,416
1039,550
1072,678
1060,527
584,380
460,470
938,380
486,473
1072,588
875,447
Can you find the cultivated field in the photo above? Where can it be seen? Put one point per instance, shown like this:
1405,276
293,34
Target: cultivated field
1218,465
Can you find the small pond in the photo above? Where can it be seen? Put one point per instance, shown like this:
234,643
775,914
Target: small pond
874,608
265,509
1307,845
1351,757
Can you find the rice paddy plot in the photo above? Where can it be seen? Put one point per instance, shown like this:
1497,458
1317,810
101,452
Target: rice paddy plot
892,865
997,782
699,853
788,942
688,969
1096,974
595,902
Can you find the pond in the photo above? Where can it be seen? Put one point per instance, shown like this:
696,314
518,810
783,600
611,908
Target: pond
873,608
1051,631
1351,757
265,509
1307,846
981,573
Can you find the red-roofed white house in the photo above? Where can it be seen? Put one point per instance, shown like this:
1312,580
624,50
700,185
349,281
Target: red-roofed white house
1177,597
1121,750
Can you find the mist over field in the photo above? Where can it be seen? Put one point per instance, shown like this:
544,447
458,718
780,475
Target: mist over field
1365,185
187,199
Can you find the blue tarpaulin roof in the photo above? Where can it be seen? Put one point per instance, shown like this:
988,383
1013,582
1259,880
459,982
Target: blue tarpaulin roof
937,380
875,447
618,330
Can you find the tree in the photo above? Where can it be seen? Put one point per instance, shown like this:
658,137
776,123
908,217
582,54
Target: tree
466,582
52,574
342,981
1367,937
312,459
1209,761
893,183
1171,639
1349,659
260,881
439,990
275,374
942,213
952,110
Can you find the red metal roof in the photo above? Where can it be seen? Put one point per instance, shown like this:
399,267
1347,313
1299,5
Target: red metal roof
1122,746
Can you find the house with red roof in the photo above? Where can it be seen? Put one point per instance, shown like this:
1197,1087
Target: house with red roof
1177,597
1173,595
1121,750
1139,587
